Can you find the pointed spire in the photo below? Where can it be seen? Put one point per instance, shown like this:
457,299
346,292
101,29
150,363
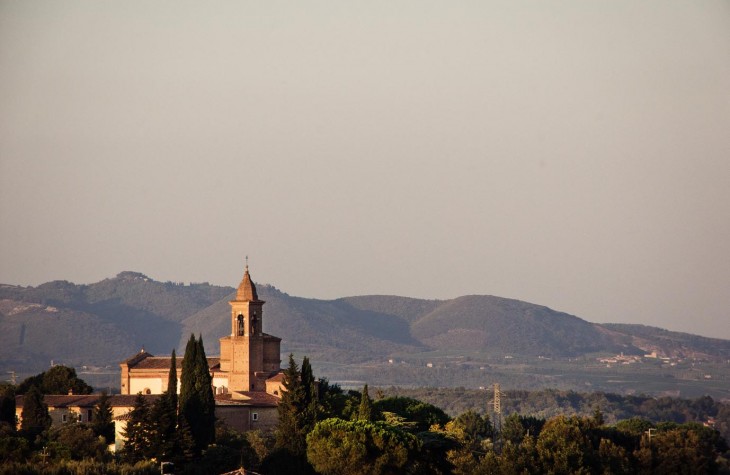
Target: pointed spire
247,289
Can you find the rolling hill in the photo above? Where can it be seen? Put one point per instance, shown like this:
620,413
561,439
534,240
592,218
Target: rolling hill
102,323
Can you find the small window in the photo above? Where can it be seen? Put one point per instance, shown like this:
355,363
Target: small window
89,413
254,416
80,417
64,418
147,391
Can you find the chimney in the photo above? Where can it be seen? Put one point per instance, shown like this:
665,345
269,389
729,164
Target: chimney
70,391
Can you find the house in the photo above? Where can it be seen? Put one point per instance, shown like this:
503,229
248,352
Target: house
80,408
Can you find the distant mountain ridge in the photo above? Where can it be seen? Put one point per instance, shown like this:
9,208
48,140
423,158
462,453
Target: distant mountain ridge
105,322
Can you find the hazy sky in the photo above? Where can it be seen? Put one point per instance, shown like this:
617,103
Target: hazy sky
571,154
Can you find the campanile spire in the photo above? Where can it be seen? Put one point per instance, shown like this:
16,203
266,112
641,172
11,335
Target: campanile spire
247,289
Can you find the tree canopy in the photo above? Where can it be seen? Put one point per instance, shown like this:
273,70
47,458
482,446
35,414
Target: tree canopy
291,431
138,432
57,380
35,418
336,446
102,423
423,413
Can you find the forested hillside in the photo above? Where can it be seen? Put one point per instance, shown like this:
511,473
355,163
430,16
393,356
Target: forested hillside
97,324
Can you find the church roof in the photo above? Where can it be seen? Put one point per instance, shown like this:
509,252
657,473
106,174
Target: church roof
247,289
247,398
163,362
134,360
277,378
87,400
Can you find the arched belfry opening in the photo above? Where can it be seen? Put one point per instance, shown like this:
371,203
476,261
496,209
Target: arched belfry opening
240,326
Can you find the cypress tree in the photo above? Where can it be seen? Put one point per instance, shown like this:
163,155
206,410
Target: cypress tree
189,398
164,417
35,414
197,403
172,381
308,383
204,385
365,412
310,402
138,432
187,378
102,423
290,432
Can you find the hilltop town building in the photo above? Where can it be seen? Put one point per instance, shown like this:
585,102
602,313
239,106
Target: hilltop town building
247,376
249,361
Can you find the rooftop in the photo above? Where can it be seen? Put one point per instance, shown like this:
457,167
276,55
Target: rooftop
247,398
88,400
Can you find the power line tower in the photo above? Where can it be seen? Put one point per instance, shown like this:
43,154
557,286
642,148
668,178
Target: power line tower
497,405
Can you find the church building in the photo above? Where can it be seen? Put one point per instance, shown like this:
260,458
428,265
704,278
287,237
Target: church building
247,376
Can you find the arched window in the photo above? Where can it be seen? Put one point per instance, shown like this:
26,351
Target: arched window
240,325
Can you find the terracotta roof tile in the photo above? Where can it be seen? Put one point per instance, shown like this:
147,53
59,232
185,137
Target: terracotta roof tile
277,378
88,400
247,398
247,289
163,362
155,362
137,358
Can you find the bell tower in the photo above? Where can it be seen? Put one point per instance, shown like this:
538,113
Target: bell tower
246,309
242,353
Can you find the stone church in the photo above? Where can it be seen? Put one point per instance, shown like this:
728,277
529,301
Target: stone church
247,376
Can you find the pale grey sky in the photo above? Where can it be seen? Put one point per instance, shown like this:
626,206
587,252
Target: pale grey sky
571,154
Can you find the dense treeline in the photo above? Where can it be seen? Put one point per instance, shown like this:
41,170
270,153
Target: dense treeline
549,403
323,429
348,433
